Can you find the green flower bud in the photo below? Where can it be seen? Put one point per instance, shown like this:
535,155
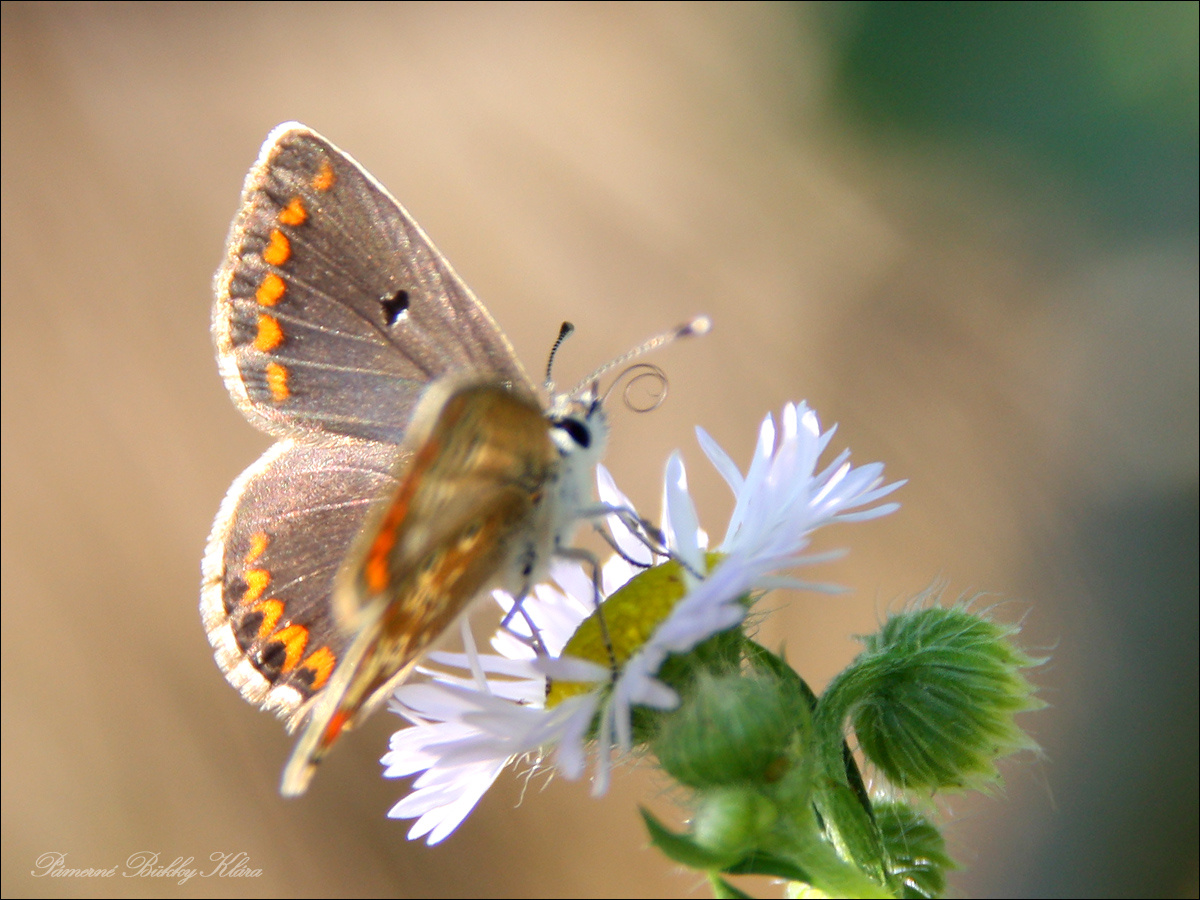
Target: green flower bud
730,729
731,821
933,698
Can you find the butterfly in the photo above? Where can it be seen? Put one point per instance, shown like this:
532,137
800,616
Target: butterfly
416,464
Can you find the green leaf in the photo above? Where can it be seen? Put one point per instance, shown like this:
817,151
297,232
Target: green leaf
723,890
916,850
681,848
767,864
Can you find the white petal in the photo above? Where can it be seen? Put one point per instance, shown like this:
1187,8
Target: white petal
682,525
721,461
571,668
628,541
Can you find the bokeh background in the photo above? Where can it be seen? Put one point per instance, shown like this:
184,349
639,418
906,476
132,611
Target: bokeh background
965,232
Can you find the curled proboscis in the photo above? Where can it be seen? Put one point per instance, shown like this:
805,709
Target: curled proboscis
637,378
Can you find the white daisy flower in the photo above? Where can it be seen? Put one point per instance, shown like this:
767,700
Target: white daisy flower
468,727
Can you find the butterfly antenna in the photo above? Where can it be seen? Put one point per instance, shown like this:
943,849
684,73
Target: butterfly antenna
691,328
564,332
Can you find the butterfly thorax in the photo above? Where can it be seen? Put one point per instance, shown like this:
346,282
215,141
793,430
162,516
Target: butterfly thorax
491,490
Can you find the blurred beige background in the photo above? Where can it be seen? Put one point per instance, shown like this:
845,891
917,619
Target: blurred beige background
1004,321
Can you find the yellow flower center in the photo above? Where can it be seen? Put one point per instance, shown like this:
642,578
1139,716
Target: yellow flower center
631,615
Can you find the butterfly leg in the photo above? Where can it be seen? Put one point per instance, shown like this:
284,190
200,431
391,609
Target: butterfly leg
588,560
616,548
643,529
534,638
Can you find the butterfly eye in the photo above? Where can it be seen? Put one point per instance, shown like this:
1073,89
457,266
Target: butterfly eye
394,306
578,431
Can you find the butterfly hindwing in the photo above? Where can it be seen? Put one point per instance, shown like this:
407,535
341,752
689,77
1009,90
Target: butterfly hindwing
275,550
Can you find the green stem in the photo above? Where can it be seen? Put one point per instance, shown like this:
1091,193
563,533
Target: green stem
849,820
800,841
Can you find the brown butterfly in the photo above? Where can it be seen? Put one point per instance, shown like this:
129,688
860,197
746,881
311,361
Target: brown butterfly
416,466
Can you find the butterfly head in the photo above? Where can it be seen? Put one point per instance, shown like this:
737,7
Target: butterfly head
579,426
579,431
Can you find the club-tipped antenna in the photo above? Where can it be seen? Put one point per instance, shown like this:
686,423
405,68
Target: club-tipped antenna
691,328
564,332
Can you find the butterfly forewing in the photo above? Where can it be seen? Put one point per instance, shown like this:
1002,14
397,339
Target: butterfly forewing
333,308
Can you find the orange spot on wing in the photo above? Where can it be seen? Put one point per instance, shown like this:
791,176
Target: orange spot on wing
258,546
294,213
270,290
294,639
376,569
277,382
321,661
272,612
270,335
324,179
279,250
335,727
256,584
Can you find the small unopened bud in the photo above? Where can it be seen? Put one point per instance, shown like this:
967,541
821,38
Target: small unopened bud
731,729
731,821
